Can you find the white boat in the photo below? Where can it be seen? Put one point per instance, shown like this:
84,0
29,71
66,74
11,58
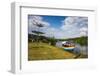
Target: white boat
68,46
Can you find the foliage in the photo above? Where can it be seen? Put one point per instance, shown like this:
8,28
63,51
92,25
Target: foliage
52,40
80,40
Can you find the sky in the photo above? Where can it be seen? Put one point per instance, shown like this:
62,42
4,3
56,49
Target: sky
60,27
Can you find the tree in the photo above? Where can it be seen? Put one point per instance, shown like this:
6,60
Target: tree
38,35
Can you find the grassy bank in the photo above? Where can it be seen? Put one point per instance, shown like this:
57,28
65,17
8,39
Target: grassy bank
43,51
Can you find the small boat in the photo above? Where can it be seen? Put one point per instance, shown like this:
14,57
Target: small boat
68,46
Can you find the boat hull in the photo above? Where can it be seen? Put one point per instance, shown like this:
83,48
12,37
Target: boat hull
68,48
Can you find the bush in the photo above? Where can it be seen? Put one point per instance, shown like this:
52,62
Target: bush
52,41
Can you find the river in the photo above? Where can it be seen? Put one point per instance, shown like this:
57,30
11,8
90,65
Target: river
78,48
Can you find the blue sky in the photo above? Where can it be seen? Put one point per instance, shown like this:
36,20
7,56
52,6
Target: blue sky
55,21
59,26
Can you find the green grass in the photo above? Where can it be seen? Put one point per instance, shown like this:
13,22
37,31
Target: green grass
43,51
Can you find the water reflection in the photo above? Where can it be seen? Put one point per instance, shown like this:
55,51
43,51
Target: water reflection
78,48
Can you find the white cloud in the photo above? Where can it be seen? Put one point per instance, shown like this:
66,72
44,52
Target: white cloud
38,20
71,27
34,20
75,26
54,32
84,31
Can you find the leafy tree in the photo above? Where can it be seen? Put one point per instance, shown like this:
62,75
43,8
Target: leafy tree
52,41
38,35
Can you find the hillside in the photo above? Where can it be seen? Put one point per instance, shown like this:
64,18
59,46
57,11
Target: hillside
80,40
43,51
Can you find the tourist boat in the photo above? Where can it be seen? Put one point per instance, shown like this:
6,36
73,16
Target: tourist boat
68,46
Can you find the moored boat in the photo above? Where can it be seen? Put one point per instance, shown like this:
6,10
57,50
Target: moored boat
68,46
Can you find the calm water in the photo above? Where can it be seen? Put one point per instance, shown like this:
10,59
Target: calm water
78,48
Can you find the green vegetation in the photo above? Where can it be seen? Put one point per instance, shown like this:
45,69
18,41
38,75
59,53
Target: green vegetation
43,48
52,41
36,38
44,51
80,40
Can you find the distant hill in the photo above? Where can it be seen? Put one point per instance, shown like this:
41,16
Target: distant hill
80,40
